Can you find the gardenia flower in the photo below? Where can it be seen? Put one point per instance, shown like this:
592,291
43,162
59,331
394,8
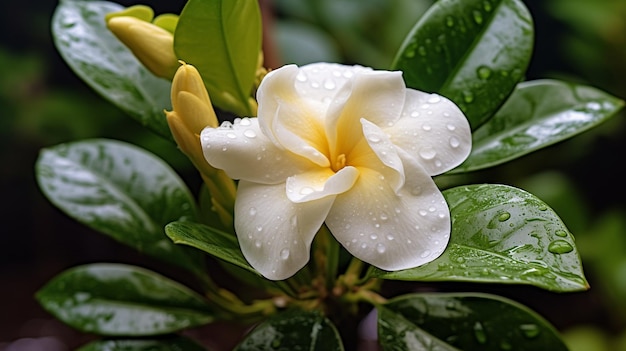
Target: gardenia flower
347,146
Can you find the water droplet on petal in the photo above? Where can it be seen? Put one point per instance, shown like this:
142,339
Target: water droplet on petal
329,84
245,121
250,133
258,243
451,127
259,228
415,114
425,254
301,77
231,135
306,190
374,236
426,127
284,254
390,237
373,138
252,211
380,248
433,99
454,142
427,153
560,247
423,212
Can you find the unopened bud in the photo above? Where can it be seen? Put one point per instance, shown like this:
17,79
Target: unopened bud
151,44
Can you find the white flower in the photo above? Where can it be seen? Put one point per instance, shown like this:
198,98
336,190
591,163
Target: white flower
348,146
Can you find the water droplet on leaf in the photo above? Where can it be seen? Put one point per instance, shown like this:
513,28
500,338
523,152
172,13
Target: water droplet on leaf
560,247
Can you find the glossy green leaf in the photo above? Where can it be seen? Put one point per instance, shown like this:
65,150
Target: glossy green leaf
122,191
117,299
472,51
210,240
222,38
293,331
161,344
502,234
463,321
104,63
538,114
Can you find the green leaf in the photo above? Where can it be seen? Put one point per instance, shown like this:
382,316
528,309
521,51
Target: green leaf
164,344
293,331
117,299
502,234
463,321
210,240
472,51
105,64
122,191
222,39
538,114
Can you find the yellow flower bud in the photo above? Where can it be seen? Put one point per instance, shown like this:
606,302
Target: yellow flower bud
151,44
191,101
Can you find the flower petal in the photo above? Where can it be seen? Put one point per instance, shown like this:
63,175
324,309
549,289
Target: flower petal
274,233
377,96
390,164
320,183
388,230
244,152
433,130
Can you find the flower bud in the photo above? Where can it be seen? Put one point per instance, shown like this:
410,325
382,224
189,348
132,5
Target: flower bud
191,101
151,44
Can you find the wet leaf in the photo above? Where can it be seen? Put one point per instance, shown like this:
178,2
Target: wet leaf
293,331
472,51
222,38
122,191
117,299
501,234
216,243
161,344
538,114
463,321
104,63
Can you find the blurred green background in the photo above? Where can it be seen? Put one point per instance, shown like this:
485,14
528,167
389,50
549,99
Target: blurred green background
44,103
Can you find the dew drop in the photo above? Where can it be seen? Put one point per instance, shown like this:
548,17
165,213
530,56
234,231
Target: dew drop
410,52
231,135
384,217
306,190
487,6
380,248
454,142
252,211
433,99
421,50
468,97
451,127
483,72
301,77
373,138
416,190
423,212
329,84
450,21
284,254
530,330
257,243
561,233
245,122
560,247
426,127
504,216
425,254
478,17
427,153
250,133
364,245
373,236
259,228
479,333
390,237
415,114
